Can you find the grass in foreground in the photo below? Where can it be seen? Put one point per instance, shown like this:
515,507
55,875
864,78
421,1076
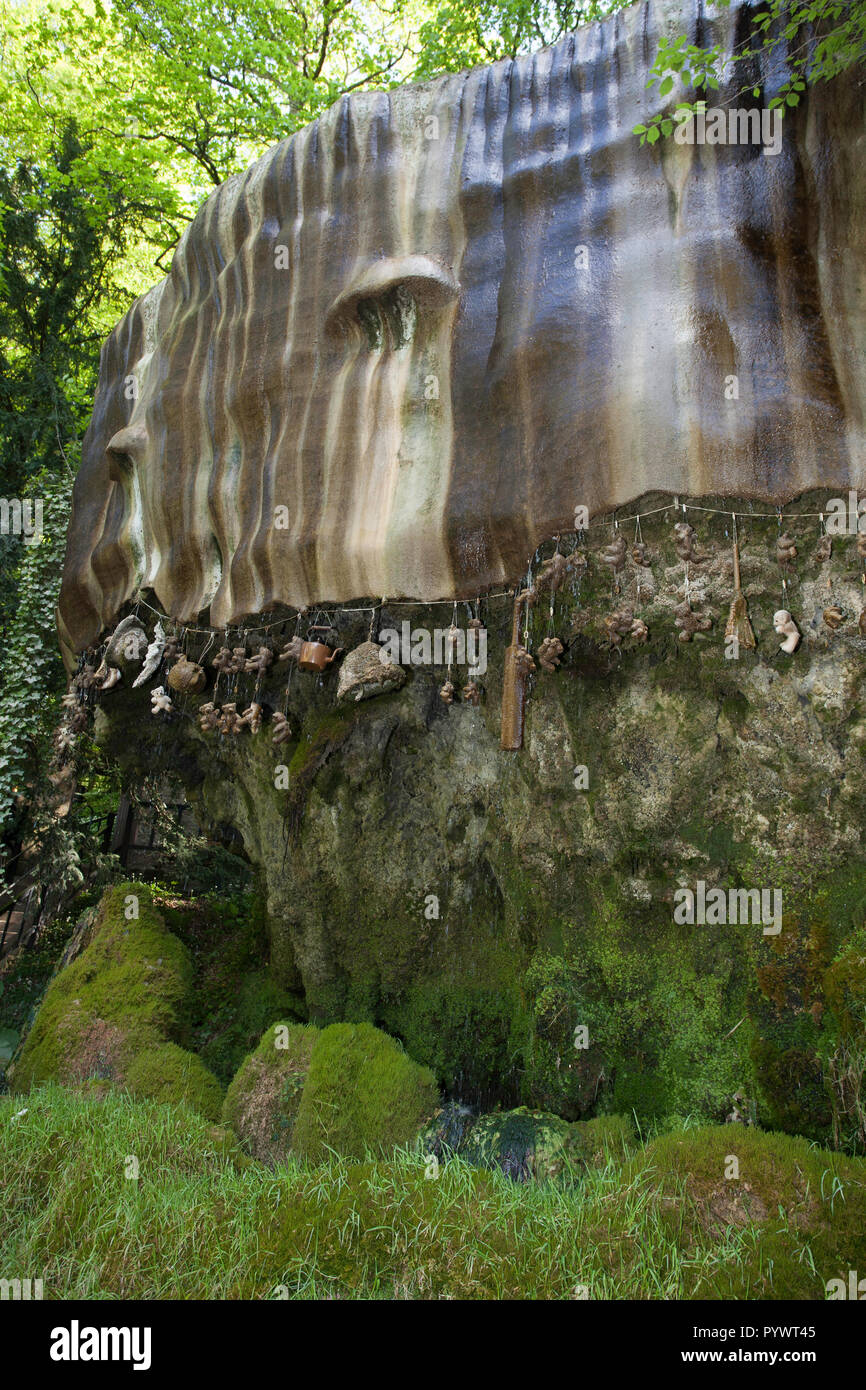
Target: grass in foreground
200,1221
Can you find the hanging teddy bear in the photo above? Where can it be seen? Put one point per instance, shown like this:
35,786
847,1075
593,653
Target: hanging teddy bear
787,628
614,554
471,693
252,717
292,650
685,537
786,549
160,703
230,721
258,664
282,729
208,718
550,653
622,624
689,622
223,661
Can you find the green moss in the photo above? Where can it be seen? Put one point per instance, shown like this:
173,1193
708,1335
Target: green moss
124,995
261,1104
845,987
522,1143
172,1075
362,1093
607,1137
806,1208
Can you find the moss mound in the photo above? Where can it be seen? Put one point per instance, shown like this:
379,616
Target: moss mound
261,1104
802,1208
362,1093
172,1075
607,1137
108,1016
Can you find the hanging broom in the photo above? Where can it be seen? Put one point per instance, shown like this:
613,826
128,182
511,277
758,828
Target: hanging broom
738,625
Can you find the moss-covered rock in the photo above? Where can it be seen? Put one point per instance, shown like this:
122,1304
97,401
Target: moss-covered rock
109,1015
261,1104
522,1143
795,1197
362,1093
172,1075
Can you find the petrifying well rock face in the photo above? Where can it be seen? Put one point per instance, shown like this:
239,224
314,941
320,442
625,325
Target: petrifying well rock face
437,320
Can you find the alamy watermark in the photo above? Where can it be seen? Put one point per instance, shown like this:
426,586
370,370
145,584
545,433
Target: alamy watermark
714,907
21,517
437,647
716,125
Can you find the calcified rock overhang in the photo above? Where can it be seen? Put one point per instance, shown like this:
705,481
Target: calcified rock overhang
436,321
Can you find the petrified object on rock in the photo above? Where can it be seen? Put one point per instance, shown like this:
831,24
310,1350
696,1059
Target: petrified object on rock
689,622
550,653
518,666
317,656
187,677
126,644
160,701
738,626
292,650
238,661
281,728
252,717
230,721
787,628
614,554
366,672
153,656
471,693
258,664
623,623
447,693
834,617
257,382
553,574
823,550
208,718
223,661
786,549
684,542
111,677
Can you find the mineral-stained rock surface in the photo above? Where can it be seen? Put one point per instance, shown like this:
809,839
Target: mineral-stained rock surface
487,907
401,349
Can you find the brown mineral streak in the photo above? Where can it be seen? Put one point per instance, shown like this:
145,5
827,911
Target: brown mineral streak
261,387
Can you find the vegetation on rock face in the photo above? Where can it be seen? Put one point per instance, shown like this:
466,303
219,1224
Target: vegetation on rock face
483,912
108,1017
666,1224
362,1093
261,1104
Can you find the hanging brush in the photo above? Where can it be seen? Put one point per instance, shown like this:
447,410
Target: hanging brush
738,625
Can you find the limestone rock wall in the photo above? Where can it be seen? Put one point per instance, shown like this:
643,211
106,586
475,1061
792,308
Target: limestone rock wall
438,319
